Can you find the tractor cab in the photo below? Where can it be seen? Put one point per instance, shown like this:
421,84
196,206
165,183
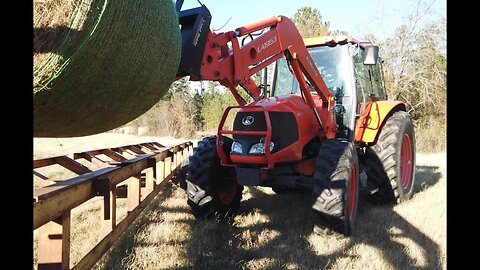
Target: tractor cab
350,69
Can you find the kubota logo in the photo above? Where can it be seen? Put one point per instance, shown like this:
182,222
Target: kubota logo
248,120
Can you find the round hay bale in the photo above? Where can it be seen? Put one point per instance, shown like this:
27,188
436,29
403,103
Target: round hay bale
99,64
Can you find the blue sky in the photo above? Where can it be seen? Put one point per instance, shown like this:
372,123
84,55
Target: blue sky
358,17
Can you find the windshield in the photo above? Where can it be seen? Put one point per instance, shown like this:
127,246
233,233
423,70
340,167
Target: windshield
332,62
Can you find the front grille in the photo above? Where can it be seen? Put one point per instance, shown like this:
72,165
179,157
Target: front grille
284,129
257,125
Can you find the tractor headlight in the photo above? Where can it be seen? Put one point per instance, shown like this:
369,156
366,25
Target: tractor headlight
236,148
259,148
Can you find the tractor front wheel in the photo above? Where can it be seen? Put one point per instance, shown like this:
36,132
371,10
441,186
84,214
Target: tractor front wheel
211,188
335,190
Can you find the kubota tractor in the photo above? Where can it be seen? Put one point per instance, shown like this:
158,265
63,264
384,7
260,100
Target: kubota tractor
325,124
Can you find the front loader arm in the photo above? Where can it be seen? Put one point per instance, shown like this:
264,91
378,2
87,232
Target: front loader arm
232,65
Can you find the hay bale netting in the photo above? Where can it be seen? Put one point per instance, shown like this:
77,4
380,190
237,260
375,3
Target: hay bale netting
98,64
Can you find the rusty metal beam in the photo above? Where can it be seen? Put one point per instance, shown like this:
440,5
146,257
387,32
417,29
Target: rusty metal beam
149,181
39,176
110,210
50,246
161,156
72,165
66,225
129,168
135,149
158,145
159,171
88,156
123,150
110,152
54,200
133,192
149,146
54,244
85,155
45,162
113,155
142,148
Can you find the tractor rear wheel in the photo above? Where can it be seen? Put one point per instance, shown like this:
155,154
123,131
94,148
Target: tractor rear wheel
211,188
335,190
390,163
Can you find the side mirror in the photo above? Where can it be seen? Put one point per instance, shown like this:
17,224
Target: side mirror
371,55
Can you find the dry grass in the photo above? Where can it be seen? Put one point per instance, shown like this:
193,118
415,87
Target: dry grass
274,232
48,13
431,138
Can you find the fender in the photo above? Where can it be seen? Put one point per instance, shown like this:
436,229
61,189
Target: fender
369,124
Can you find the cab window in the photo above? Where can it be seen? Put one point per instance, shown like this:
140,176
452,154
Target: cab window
368,77
362,80
376,79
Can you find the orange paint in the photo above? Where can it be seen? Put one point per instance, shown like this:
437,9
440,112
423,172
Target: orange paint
368,125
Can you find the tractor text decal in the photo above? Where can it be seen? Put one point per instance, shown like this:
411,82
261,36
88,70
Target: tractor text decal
312,66
267,44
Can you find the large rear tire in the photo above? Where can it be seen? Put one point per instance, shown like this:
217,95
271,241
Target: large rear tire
211,188
390,163
335,191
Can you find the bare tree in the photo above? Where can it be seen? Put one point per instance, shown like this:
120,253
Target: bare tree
415,64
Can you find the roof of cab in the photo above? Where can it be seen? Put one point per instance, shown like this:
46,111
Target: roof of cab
333,40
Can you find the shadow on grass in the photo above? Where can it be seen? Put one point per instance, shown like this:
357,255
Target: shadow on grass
426,176
120,255
272,235
275,232
279,236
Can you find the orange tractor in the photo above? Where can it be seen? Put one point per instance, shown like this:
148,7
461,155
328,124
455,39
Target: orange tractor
325,124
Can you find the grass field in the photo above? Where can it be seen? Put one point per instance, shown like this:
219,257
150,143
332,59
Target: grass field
274,232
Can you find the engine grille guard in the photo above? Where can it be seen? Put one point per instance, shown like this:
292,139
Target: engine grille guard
268,138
